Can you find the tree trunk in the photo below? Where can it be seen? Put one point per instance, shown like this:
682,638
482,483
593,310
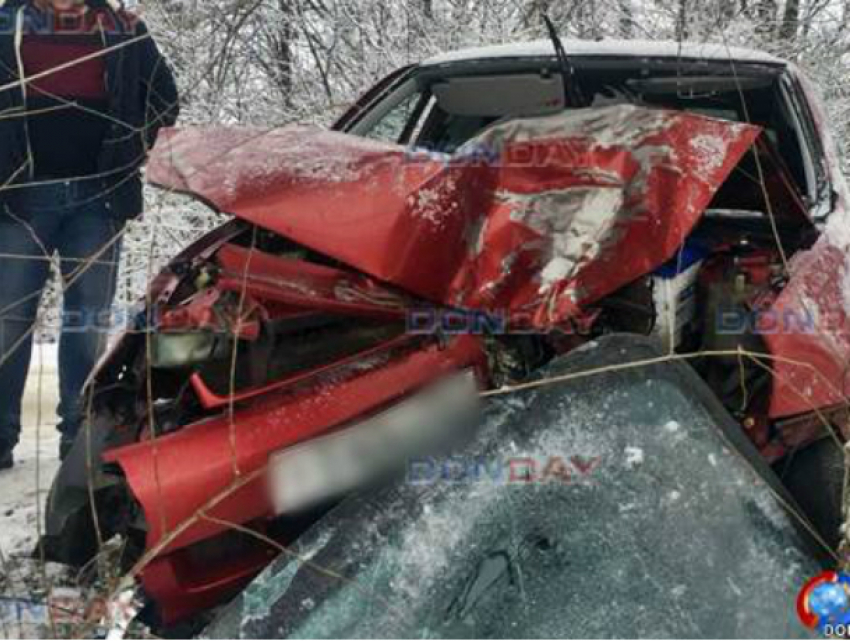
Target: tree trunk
282,43
626,21
532,18
682,32
790,21
421,14
766,16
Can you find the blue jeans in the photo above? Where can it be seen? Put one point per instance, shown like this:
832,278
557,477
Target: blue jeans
73,220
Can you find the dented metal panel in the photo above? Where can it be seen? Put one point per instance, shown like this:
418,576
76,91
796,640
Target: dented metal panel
810,354
532,217
298,412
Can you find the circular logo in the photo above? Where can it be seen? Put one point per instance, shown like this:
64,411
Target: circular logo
824,602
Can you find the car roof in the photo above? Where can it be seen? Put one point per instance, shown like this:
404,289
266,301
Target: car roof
612,48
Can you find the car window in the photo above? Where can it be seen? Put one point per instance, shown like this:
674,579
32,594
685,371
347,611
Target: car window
752,95
637,517
445,133
392,124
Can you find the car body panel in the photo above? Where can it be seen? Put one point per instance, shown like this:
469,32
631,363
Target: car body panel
540,228
811,364
810,340
225,458
612,48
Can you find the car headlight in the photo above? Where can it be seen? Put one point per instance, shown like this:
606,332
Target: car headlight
169,350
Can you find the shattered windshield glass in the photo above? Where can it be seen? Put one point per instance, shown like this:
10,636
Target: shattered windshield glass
623,504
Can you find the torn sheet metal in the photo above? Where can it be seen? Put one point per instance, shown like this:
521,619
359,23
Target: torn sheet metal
534,217
811,348
234,461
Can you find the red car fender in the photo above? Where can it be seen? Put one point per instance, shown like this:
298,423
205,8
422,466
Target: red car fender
173,476
810,348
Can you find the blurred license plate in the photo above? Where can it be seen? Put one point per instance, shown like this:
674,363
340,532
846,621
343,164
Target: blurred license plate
308,473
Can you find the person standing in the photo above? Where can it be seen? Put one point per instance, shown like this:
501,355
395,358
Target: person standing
83,92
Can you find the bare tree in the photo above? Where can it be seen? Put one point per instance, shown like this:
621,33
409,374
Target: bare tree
627,19
790,21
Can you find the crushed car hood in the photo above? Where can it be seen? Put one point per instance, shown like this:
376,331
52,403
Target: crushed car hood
534,217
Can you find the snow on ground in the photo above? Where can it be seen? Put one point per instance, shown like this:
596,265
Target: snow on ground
23,490
24,487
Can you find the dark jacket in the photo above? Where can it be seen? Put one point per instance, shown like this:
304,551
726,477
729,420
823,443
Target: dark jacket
142,98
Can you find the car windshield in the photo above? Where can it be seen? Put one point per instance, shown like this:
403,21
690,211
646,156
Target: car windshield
623,504
441,108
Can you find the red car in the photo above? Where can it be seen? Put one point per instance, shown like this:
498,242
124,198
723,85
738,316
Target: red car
465,221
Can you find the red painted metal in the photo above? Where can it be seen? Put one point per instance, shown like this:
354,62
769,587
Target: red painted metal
539,217
207,311
210,400
811,366
306,285
183,587
811,351
171,491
